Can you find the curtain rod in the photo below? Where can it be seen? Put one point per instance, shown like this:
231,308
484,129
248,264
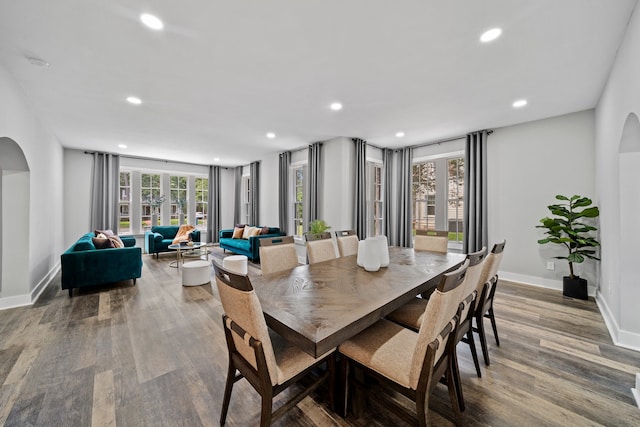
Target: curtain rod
158,160
426,144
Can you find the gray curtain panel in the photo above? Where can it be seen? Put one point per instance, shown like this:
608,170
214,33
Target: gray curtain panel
213,205
105,200
254,182
387,165
315,178
360,190
237,206
283,191
404,221
475,192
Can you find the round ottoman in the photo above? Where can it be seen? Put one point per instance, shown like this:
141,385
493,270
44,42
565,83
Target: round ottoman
196,273
236,264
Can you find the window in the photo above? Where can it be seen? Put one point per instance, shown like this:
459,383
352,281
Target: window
424,196
246,199
149,189
202,202
124,226
298,200
375,214
178,198
455,198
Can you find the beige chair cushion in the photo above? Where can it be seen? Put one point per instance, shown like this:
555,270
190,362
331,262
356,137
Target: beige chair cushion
386,348
348,245
278,258
320,250
410,314
290,359
431,243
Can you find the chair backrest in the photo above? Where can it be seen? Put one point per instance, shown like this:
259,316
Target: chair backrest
347,242
431,240
241,305
441,309
491,265
476,264
277,254
320,247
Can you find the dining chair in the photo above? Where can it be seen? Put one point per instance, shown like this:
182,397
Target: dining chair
277,254
411,315
430,240
486,294
409,362
268,362
320,247
347,242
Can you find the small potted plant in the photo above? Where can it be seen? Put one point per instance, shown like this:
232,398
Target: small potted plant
317,227
155,203
566,228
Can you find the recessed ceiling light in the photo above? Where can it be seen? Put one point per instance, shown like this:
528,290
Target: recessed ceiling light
271,135
134,100
490,35
336,106
520,103
399,134
151,21
122,146
216,159
38,62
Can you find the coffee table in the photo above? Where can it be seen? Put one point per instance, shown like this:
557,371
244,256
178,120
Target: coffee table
196,249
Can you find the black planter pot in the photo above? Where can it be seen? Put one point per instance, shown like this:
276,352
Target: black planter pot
574,288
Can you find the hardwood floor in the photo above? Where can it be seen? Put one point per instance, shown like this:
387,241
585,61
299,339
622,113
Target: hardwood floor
154,354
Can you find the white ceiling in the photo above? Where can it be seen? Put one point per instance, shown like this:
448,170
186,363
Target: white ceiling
224,73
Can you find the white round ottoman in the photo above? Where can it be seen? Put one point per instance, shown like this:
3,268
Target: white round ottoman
196,273
236,264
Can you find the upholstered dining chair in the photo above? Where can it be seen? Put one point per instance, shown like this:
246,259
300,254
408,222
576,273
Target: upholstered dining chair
277,254
429,240
347,242
409,362
486,294
411,315
268,362
320,247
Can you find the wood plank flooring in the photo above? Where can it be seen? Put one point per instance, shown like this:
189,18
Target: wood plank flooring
154,354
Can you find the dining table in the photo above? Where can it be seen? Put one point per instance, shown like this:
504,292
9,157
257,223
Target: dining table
319,306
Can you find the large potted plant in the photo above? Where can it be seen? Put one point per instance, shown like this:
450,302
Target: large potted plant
567,228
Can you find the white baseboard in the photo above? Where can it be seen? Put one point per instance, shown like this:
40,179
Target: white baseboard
620,337
636,391
31,297
540,282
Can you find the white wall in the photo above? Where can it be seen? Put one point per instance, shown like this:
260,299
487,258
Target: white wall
269,177
337,188
43,153
528,165
227,197
621,96
77,194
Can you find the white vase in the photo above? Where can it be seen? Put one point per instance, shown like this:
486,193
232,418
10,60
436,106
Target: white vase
181,219
360,259
371,261
383,249
154,219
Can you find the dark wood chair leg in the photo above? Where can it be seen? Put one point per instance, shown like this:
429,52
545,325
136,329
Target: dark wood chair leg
453,396
492,317
455,374
227,393
344,385
422,408
483,339
474,352
331,366
267,406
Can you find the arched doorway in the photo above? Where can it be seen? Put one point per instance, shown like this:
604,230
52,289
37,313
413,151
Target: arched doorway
14,220
629,161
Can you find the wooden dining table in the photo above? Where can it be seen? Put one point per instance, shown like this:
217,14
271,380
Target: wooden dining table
319,306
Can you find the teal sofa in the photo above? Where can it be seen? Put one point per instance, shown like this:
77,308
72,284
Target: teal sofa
83,265
249,247
160,237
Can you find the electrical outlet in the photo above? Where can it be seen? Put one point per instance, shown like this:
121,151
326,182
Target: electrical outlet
551,265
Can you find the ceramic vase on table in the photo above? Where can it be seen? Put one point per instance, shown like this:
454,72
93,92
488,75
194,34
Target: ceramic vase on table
383,250
371,260
360,258
154,219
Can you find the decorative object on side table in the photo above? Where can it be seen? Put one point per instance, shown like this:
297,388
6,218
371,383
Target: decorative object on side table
567,229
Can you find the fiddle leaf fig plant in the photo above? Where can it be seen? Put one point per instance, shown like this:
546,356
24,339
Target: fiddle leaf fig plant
567,228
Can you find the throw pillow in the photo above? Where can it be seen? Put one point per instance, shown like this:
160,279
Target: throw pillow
246,232
255,231
116,242
101,243
107,233
237,233
265,230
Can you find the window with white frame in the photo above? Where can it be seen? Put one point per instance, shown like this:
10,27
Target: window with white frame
124,223
375,200
424,196
149,190
178,197
298,199
202,202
